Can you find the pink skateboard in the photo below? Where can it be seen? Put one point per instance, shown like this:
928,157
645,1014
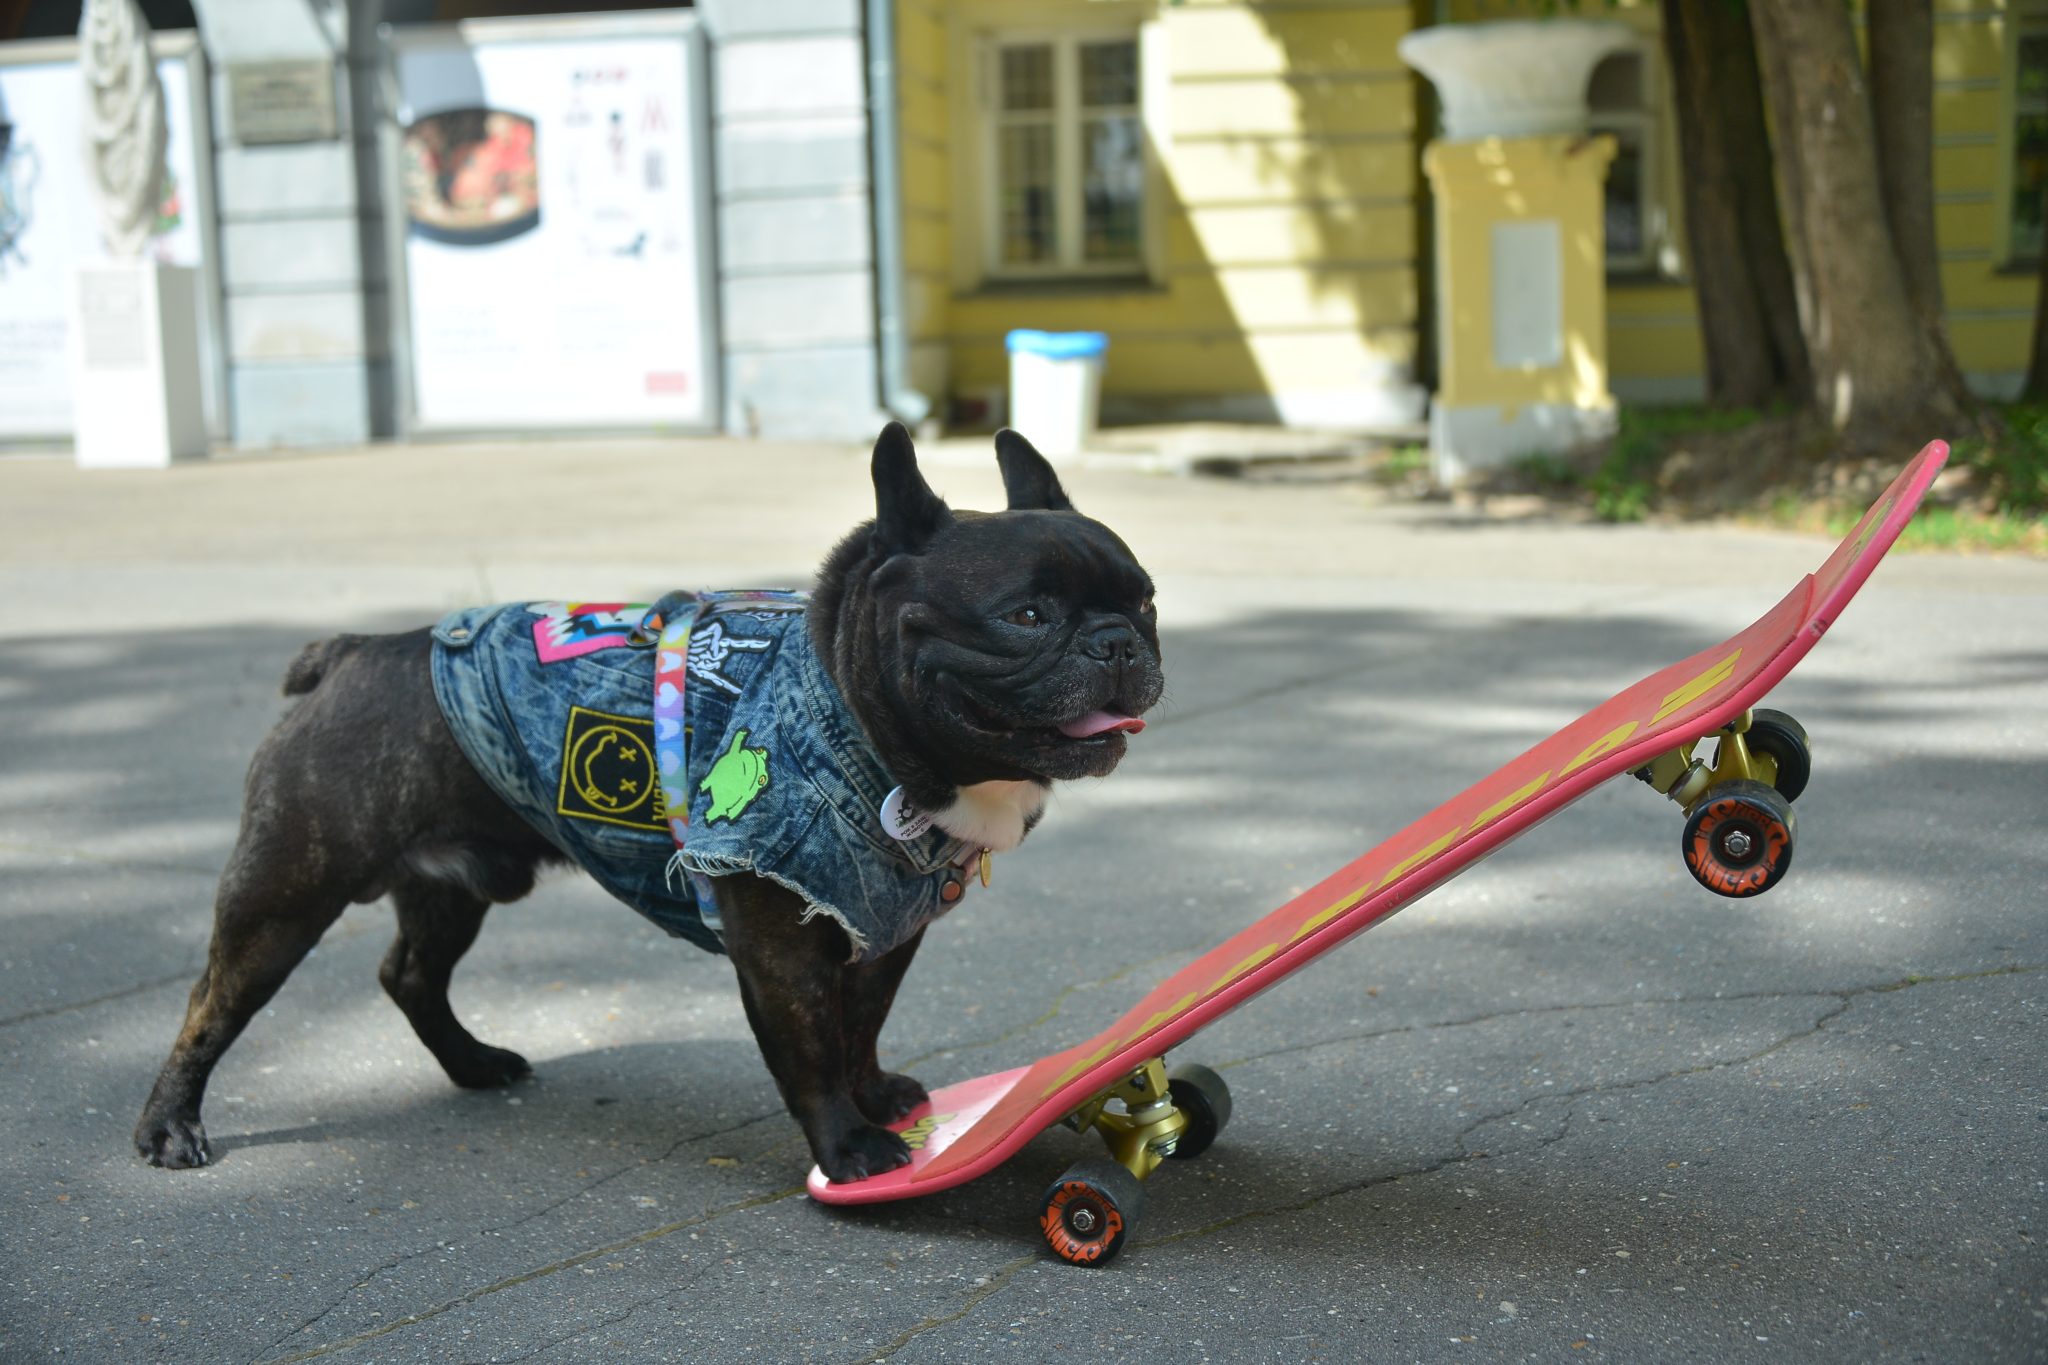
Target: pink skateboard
1738,841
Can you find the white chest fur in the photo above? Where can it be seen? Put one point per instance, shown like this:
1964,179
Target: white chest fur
994,815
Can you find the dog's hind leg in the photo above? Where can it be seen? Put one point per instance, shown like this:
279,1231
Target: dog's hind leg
866,993
260,934
359,790
437,922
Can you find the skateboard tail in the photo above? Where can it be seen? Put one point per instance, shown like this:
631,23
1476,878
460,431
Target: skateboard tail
1669,708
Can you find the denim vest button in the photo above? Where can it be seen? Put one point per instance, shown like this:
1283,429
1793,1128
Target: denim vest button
950,892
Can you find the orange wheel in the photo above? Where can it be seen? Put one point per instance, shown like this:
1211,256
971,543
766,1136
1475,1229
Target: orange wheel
1738,839
1087,1213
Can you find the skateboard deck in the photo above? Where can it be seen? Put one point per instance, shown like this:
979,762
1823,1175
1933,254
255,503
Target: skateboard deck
969,1128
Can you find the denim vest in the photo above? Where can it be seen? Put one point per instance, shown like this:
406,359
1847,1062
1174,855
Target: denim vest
554,705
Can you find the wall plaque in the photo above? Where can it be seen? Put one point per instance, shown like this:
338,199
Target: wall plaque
113,319
282,101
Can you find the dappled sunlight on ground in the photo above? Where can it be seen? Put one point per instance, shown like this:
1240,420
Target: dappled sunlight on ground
1748,1098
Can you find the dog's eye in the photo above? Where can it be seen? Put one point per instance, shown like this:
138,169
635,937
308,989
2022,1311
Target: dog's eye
1024,616
1145,607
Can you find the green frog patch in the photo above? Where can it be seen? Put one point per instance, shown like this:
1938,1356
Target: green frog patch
739,775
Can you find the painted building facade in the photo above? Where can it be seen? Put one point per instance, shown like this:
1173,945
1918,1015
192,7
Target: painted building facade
1990,170
1230,189
1283,272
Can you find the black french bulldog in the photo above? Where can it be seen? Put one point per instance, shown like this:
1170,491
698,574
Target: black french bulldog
980,656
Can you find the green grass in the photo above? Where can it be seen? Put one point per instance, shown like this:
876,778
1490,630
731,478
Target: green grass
2015,466
2012,472
1953,529
1623,486
1404,460
1946,529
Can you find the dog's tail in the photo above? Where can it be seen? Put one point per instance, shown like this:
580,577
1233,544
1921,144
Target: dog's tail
315,660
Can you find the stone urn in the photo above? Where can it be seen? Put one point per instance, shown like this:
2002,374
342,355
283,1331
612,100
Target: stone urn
1515,77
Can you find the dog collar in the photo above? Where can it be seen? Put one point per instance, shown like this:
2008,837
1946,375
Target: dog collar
903,820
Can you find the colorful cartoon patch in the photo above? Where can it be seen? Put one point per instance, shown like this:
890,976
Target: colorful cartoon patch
569,630
739,775
684,650
709,649
608,772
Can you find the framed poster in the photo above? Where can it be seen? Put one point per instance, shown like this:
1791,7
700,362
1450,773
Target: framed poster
548,206
49,223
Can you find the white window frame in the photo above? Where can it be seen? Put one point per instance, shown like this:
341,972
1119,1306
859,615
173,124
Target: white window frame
981,262
1646,122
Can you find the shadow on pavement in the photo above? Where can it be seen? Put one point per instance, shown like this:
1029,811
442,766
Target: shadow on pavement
1288,747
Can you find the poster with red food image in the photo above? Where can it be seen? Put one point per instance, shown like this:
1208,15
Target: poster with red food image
470,177
551,192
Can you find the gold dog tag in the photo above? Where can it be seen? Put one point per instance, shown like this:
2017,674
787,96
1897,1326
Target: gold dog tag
986,864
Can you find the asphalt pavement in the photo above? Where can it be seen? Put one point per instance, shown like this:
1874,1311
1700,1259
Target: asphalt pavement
1570,1107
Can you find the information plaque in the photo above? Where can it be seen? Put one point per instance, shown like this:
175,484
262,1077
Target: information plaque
282,101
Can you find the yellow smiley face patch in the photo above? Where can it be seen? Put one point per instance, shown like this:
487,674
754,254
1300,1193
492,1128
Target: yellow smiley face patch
608,772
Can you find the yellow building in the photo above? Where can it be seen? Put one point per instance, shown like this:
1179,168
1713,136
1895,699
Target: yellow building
1232,191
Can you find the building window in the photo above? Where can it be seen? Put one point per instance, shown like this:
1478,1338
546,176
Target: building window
2029,144
1066,156
1620,99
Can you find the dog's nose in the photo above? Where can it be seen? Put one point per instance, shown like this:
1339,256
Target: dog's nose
1113,641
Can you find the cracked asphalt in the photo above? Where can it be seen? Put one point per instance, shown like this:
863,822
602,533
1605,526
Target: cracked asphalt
1570,1107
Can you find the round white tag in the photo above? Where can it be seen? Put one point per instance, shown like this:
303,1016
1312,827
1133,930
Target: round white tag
901,817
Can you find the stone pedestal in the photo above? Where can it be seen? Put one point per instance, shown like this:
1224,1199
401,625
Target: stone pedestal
1521,300
1520,250
135,365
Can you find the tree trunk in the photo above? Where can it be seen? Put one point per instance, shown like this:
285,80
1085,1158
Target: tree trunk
2035,390
2036,387
1902,110
1749,316
1881,377
1791,181
1902,117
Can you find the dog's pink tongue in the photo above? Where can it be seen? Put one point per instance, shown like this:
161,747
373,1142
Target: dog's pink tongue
1100,723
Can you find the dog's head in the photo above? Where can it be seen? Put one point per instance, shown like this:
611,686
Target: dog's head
1019,645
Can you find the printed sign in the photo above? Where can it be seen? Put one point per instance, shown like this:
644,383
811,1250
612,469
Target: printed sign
548,190
282,101
49,225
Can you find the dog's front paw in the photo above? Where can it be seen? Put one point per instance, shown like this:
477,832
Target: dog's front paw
888,1097
487,1068
862,1152
176,1143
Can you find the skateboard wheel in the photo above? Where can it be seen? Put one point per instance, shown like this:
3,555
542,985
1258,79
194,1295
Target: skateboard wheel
1201,1094
1783,740
1738,839
1087,1214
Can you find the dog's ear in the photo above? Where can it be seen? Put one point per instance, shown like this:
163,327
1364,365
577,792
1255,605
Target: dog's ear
907,513
1028,476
